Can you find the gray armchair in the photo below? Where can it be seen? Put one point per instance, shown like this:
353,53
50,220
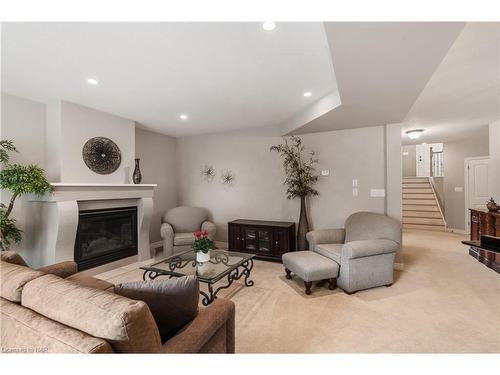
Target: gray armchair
178,225
364,249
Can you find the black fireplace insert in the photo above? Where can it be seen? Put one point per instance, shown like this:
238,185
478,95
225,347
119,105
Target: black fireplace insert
105,235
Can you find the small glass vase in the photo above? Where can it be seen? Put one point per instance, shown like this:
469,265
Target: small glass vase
202,257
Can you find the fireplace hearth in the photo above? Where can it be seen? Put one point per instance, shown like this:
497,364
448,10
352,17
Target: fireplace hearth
105,235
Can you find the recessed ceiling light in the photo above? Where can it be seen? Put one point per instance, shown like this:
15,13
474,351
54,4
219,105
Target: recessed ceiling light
415,133
92,81
307,94
269,26
183,117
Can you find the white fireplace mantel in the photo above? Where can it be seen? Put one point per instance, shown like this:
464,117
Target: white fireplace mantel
55,233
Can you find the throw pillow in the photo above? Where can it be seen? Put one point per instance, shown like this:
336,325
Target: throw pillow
173,302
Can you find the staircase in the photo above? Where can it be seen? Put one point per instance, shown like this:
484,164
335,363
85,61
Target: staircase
420,206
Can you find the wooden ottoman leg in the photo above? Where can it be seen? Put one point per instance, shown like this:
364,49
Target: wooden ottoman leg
332,283
288,273
308,285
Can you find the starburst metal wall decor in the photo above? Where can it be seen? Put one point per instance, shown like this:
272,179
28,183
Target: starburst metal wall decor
227,178
101,155
208,172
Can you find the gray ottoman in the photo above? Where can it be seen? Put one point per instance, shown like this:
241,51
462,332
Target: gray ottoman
310,266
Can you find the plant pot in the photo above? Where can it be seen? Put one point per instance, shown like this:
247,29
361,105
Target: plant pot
303,227
202,257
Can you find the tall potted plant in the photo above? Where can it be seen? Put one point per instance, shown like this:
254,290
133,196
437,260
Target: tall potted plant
20,180
300,178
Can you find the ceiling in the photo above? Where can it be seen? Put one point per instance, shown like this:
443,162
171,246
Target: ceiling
440,76
223,76
463,95
381,68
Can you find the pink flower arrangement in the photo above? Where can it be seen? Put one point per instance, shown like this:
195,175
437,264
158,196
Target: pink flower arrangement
202,242
201,234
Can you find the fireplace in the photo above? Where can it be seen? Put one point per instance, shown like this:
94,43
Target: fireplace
105,235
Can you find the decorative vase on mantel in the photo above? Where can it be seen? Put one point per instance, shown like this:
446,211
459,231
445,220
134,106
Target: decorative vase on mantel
303,226
137,176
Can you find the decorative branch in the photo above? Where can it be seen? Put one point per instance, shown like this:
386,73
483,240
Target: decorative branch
299,174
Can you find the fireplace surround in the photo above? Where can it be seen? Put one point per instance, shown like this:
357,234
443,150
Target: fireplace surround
55,232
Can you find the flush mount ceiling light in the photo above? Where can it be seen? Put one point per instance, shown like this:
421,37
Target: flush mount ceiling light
92,81
269,26
307,94
183,117
415,133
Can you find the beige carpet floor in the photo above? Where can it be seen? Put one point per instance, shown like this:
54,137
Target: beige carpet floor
443,301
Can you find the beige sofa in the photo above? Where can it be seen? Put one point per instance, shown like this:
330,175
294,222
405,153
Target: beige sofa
56,310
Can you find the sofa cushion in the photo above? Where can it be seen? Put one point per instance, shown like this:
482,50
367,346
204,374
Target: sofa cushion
330,250
173,302
25,331
183,238
83,279
14,278
13,257
126,324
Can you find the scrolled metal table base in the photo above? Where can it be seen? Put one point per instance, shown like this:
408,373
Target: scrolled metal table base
242,270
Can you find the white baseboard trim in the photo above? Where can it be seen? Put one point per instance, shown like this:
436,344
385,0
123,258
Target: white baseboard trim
453,230
399,266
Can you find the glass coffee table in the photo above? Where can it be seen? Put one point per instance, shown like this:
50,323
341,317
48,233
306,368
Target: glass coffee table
228,265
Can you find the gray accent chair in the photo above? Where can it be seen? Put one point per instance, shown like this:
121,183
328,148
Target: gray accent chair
364,249
178,225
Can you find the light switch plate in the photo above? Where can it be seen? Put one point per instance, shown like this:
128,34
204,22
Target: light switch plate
325,172
355,183
377,193
355,192
459,189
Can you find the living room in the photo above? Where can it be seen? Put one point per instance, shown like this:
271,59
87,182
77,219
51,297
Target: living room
217,183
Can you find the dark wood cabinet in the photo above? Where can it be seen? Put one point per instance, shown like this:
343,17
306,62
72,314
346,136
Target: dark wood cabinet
268,240
483,222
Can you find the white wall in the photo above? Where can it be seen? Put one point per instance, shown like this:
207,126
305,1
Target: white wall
258,192
23,121
494,144
157,154
76,124
454,155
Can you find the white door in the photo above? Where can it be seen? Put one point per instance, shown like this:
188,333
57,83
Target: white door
423,155
477,182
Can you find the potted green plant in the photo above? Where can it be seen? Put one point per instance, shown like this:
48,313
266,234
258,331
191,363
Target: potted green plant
300,178
19,180
202,246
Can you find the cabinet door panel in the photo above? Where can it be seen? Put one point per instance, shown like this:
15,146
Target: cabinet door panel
250,239
234,238
264,241
280,242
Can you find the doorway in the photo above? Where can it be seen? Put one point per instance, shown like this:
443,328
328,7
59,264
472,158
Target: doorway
477,175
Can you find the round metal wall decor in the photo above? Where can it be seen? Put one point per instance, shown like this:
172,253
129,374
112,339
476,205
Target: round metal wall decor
101,155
